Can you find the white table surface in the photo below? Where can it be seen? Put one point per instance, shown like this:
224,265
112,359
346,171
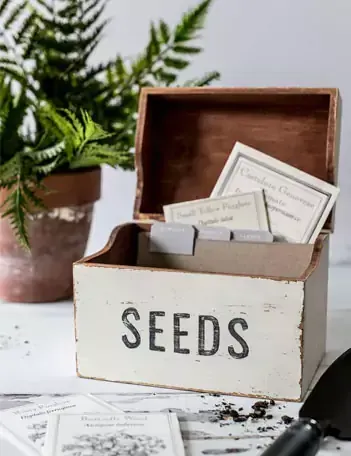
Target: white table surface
40,359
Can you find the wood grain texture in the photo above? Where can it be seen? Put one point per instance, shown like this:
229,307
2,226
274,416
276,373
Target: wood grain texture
185,135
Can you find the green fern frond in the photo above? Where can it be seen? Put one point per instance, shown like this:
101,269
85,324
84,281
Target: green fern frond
91,74
69,10
16,214
86,22
77,126
165,32
175,63
192,22
25,31
90,7
5,61
38,156
165,77
94,155
9,171
89,115
94,37
187,50
15,205
32,198
48,168
206,80
66,46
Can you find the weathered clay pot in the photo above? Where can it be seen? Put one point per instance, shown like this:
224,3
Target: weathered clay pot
58,237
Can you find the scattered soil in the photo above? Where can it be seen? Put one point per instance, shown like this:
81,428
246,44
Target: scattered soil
287,419
225,412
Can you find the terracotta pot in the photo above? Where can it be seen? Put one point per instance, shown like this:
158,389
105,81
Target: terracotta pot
58,237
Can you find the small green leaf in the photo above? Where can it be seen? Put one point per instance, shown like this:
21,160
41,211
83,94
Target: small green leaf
204,81
47,168
164,32
192,22
178,64
46,154
91,6
33,198
187,49
120,67
166,77
27,28
154,39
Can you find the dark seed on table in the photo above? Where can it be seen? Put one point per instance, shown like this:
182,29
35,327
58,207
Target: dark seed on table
240,418
260,405
287,419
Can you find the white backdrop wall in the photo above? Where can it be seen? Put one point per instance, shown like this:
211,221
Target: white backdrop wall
252,43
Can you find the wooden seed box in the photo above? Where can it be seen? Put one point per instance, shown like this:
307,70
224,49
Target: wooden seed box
249,319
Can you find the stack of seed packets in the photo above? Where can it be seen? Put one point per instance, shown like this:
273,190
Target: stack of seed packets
83,425
258,192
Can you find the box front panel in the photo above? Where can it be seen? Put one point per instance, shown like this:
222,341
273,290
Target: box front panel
193,331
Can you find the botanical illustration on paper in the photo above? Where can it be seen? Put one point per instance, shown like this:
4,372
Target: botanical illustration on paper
38,431
121,444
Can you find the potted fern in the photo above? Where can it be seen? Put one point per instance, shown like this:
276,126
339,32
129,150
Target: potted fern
48,190
81,117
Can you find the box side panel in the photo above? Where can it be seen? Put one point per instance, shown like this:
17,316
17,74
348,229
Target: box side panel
235,335
315,318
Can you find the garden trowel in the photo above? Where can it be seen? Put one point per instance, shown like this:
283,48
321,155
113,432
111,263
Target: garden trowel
326,412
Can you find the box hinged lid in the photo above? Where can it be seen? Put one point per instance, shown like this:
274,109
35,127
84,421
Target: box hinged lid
185,135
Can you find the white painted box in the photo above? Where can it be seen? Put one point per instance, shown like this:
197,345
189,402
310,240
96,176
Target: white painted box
234,318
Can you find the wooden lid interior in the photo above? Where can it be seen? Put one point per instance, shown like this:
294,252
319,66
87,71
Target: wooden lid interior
184,138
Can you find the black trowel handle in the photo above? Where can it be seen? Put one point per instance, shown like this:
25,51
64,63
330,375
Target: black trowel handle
302,438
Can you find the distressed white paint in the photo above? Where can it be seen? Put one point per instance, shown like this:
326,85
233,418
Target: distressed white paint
37,374
67,214
272,309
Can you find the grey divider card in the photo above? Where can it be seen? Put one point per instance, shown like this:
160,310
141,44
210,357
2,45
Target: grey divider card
134,434
252,236
277,259
213,233
172,238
